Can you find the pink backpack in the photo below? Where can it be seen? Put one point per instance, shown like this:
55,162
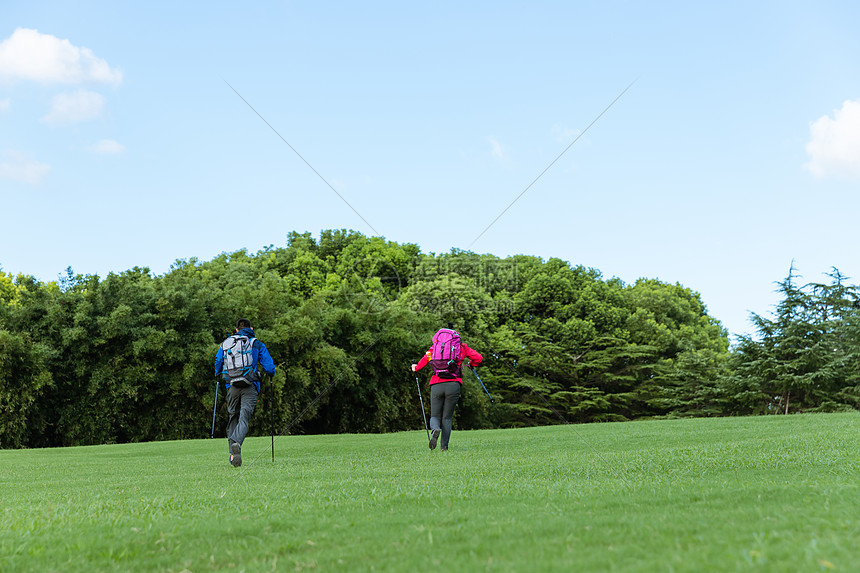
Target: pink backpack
445,353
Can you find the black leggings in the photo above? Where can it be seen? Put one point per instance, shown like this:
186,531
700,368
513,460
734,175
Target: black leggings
443,400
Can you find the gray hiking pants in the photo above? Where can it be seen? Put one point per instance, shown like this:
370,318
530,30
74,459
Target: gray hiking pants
443,400
240,406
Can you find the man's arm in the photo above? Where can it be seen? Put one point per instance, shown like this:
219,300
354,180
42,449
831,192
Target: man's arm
219,360
266,360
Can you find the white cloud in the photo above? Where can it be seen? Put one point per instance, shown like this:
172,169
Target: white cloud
107,147
498,151
30,55
15,166
564,134
5,104
72,107
834,147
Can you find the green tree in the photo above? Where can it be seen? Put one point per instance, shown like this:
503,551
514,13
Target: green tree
802,359
691,349
130,357
24,380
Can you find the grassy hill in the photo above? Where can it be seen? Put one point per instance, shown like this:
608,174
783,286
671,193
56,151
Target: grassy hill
777,493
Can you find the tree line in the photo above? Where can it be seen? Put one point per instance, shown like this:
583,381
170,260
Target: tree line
128,357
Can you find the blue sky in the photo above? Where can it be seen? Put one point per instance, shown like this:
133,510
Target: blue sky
736,150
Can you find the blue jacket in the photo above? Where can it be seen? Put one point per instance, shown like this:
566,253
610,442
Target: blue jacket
259,355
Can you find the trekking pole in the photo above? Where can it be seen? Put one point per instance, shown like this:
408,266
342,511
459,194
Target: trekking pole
272,413
475,372
215,407
420,399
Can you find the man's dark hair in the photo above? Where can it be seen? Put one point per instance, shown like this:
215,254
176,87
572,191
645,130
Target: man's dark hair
243,323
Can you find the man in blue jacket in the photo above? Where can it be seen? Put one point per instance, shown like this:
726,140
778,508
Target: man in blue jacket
236,361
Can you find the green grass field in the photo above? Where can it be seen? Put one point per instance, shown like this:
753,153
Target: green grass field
777,493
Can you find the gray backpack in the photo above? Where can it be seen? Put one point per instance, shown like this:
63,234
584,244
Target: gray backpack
238,366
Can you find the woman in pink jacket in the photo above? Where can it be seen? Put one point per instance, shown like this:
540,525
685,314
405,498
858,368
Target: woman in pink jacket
446,357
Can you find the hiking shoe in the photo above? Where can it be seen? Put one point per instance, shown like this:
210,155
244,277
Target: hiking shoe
236,454
434,437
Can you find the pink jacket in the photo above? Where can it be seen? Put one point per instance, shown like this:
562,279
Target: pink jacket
465,352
